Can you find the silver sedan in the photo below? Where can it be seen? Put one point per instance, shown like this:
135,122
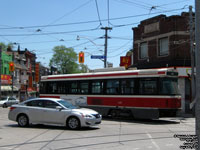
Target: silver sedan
53,111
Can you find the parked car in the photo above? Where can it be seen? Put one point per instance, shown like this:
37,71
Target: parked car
53,111
6,101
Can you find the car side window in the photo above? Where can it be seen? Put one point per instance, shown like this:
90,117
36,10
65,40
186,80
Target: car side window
35,103
50,104
11,98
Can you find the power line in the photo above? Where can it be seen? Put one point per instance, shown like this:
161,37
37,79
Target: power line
94,21
51,33
98,12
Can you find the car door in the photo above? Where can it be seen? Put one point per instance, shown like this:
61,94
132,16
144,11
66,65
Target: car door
35,110
53,115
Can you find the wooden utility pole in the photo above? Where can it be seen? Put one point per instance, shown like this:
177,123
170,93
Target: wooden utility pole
106,44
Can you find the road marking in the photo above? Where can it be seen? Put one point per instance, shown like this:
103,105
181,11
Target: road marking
153,142
169,144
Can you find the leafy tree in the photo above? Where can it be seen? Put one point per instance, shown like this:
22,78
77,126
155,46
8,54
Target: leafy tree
83,68
64,59
4,46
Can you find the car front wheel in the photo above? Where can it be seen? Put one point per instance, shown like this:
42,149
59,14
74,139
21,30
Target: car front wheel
73,123
23,120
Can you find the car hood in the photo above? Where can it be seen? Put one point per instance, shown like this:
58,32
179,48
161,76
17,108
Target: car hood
85,111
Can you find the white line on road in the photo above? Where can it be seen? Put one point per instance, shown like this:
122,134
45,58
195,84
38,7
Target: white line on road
153,142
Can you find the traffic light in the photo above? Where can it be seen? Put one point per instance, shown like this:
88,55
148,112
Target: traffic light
81,57
11,66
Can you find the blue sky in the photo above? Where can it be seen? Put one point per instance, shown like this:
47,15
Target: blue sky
40,25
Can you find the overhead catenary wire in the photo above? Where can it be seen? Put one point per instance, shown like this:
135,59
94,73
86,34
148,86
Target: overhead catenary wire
98,13
94,21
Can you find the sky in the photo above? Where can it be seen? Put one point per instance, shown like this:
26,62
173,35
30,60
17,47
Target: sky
40,25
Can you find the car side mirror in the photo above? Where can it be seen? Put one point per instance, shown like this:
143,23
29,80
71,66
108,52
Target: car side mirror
59,108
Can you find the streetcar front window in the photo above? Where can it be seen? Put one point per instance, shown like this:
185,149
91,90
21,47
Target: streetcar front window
169,86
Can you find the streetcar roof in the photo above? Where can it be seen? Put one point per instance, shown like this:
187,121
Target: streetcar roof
112,74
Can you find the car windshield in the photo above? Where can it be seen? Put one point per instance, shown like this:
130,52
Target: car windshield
3,98
67,104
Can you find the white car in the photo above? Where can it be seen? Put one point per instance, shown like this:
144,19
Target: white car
53,111
6,101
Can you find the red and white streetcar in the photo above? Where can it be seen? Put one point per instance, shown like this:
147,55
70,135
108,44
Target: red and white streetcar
148,93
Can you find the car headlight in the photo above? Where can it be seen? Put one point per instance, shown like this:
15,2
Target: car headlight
86,115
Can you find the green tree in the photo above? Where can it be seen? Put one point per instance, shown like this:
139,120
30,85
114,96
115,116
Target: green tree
83,68
64,59
6,46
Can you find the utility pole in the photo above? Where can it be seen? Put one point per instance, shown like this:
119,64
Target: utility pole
197,53
106,44
191,23
0,70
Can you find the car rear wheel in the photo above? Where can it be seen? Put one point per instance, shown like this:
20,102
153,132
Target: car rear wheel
23,120
73,123
4,105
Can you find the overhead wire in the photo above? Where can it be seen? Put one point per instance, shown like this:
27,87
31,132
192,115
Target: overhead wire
98,13
34,33
94,21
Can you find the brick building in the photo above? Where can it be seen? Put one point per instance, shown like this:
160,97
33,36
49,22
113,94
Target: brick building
164,41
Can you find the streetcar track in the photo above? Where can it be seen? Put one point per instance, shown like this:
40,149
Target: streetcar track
51,140
27,141
80,138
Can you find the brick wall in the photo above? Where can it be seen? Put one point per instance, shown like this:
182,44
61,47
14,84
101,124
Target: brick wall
175,28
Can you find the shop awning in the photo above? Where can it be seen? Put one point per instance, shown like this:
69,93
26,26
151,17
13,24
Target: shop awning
9,88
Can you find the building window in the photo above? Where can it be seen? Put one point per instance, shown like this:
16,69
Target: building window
163,46
143,50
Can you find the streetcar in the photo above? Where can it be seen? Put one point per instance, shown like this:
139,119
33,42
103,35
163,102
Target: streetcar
142,94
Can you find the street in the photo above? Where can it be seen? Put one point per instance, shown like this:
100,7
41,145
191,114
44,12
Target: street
114,134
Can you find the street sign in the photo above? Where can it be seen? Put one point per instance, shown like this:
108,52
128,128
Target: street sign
97,57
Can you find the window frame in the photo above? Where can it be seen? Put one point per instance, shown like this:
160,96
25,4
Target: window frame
142,50
160,47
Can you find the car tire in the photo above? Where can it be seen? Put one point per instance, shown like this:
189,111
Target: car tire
4,105
23,120
73,123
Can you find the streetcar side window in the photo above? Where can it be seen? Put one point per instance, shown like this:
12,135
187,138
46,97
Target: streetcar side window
168,86
112,87
97,87
43,87
148,86
84,87
127,86
74,87
52,87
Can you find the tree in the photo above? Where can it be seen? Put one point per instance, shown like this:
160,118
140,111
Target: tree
64,59
5,47
83,68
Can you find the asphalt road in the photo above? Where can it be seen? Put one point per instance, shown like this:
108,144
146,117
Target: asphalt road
118,134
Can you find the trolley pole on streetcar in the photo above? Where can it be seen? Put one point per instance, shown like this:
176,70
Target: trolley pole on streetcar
197,52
